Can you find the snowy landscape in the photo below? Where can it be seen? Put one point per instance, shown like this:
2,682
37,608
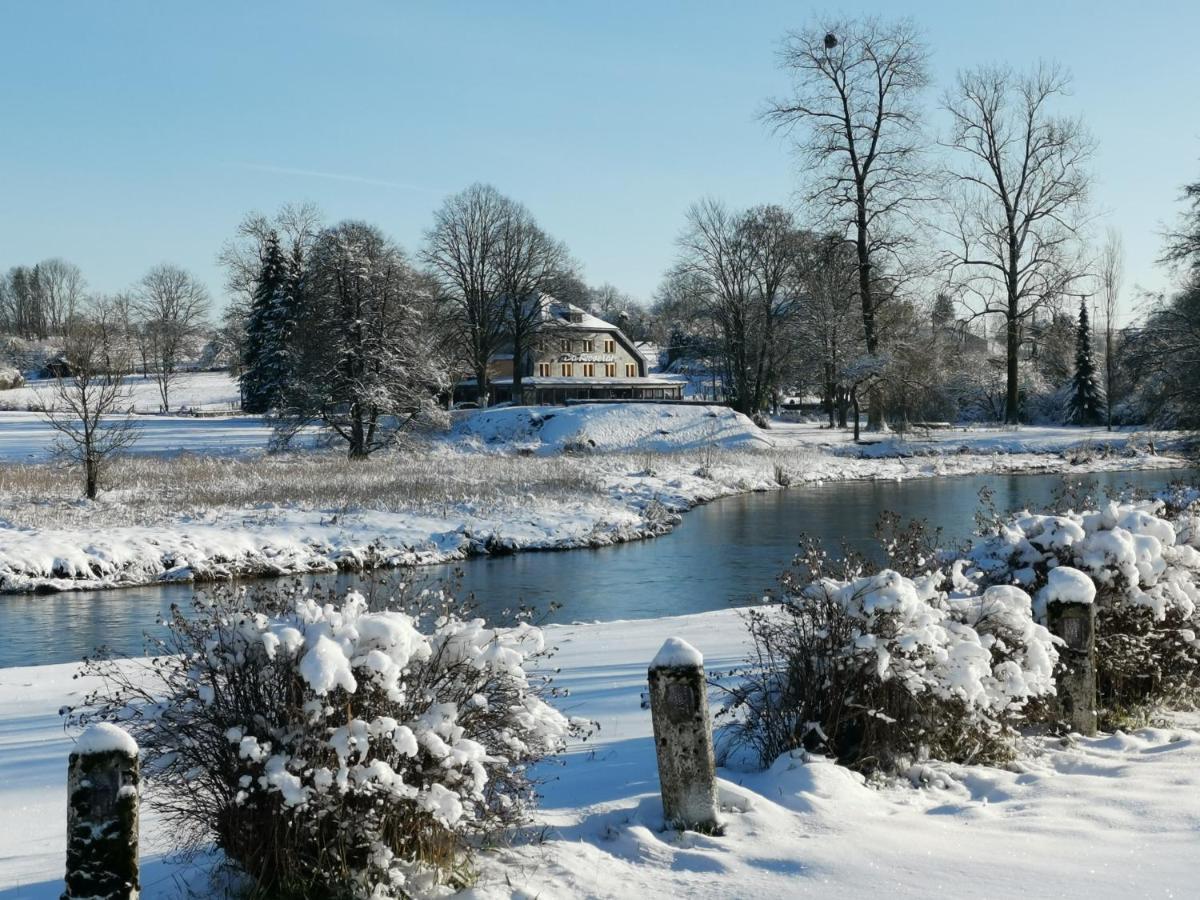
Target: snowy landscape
501,452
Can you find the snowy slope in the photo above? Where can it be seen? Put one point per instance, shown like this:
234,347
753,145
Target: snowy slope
641,427
1117,816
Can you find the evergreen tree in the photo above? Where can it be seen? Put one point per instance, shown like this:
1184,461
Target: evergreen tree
265,352
1086,406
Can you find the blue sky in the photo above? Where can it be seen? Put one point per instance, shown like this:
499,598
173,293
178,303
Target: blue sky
133,133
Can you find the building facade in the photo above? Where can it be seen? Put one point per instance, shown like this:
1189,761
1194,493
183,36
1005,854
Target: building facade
576,356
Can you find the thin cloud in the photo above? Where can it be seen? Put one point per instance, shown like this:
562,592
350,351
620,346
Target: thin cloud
337,176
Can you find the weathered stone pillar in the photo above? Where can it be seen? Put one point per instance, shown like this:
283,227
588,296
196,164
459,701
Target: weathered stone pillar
102,815
683,738
1075,623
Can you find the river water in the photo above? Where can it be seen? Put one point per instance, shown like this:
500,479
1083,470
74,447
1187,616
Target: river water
727,552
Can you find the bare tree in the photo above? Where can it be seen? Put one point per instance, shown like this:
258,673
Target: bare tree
1018,199
1112,274
854,103
296,227
1183,244
526,262
63,290
830,337
461,250
90,403
740,266
172,306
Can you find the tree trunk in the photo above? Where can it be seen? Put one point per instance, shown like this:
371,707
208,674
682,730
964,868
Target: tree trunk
481,386
92,473
1012,409
518,368
1108,373
866,294
854,402
358,442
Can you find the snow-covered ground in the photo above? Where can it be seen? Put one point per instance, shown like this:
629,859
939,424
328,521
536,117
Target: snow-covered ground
190,391
1115,816
643,464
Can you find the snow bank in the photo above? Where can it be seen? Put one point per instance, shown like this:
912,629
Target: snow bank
611,427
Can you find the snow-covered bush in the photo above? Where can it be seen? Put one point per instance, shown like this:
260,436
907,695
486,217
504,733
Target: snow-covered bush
881,670
1139,561
330,750
10,378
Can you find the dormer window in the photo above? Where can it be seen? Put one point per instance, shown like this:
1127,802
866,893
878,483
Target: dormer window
576,317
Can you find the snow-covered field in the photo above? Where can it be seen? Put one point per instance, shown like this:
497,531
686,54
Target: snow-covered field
190,391
1117,816
636,468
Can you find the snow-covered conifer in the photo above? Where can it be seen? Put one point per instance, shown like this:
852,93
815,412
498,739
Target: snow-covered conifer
1086,406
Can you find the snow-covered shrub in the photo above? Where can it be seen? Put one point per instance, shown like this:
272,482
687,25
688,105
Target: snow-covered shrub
883,669
1142,562
330,750
10,378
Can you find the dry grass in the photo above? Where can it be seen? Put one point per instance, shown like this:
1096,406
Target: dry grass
148,489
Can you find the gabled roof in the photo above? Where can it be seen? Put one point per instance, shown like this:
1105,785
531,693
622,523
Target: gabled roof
561,315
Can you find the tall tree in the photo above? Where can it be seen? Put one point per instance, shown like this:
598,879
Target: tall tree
1183,242
1112,272
90,400
855,106
172,306
269,327
1086,406
461,250
830,332
1018,200
365,367
526,263
63,290
741,266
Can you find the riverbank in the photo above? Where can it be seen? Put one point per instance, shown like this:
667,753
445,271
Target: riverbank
1109,817
196,519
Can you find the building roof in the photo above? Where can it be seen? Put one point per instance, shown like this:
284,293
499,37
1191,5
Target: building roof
561,315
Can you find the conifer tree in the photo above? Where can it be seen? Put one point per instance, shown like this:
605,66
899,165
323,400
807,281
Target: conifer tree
1086,406
268,331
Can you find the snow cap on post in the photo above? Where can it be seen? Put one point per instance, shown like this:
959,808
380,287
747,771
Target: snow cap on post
676,653
104,737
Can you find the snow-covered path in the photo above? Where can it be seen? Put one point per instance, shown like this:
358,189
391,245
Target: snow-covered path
1113,817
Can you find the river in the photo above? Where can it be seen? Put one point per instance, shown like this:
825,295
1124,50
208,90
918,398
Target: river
727,552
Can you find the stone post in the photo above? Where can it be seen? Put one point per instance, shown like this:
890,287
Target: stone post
1075,623
102,815
683,738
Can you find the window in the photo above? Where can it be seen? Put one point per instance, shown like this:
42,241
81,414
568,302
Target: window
568,370
610,346
631,370
610,369
589,370
589,346
544,370
565,345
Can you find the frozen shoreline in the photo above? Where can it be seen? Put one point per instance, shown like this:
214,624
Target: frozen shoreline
222,544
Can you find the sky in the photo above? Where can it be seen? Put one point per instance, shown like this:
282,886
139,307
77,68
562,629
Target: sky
134,133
